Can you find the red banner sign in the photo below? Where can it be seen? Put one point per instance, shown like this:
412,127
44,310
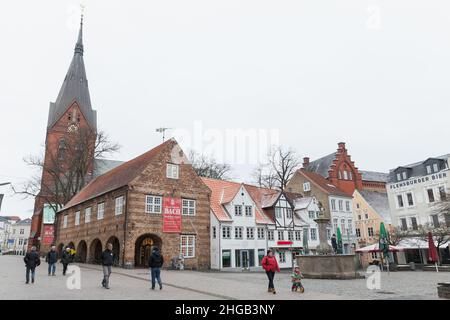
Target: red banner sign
48,234
280,243
172,215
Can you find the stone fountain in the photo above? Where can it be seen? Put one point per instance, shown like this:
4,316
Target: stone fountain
325,264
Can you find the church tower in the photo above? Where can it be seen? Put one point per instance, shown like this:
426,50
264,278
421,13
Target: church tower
72,111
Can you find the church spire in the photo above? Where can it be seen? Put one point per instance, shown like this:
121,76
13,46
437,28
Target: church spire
79,46
74,88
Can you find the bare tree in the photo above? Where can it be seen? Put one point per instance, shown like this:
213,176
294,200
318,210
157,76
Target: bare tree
281,166
208,167
264,177
63,172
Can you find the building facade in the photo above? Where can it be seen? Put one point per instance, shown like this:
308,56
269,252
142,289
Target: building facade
414,191
153,200
370,209
336,203
18,239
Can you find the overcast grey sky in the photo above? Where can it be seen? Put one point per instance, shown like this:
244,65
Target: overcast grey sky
374,74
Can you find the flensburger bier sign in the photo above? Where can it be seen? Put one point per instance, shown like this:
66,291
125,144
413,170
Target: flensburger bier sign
433,177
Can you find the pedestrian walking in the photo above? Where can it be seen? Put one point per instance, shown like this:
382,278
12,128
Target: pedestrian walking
66,258
32,261
270,264
334,243
51,259
155,262
107,262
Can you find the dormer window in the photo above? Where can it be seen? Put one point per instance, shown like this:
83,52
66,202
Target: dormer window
172,171
404,176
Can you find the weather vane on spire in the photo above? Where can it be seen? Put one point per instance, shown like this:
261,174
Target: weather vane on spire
82,7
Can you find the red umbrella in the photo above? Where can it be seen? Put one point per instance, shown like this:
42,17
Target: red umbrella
432,251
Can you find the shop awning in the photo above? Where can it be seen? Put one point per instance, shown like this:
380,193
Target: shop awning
375,248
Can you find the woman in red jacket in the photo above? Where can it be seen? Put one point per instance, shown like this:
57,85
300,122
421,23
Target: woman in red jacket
270,264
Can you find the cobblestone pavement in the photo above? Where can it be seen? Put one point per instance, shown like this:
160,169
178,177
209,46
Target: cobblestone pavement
192,285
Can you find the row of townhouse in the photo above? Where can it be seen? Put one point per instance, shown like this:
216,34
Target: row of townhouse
247,220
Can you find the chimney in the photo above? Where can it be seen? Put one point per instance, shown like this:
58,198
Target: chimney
341,146
305,162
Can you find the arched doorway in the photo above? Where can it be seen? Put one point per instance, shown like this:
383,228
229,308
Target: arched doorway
95,251
81,252
143,248
60,249
116,249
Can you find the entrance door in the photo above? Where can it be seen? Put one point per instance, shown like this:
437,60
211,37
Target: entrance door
146,250
244,258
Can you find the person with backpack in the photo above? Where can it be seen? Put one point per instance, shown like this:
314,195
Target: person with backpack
32,261
155,262
66,258
51,259
270,265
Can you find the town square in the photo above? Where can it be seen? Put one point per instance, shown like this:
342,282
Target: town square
221,151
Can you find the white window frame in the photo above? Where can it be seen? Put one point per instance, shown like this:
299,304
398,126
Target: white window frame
226,232
347,206
290,235
313,234
278,213
172,171
282,256
250,233
399,177
189,244
239,233
65,218
428,169
404,175
270,235
435,167
188,207
261,233
333,204
281,232
87,214
153,204
238,210
306,186
341,205
298,235
100,212
77,218
214,232
119,204
248,211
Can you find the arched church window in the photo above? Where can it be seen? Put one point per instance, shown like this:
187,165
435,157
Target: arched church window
340,174
69,116
62,146
345,175
350,175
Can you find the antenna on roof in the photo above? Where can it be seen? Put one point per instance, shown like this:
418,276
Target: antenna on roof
163,131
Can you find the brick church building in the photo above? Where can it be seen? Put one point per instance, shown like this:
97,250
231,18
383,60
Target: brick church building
153,200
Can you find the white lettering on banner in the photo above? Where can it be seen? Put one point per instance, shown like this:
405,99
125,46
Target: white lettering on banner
418,180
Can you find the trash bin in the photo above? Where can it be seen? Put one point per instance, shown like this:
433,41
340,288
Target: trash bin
412,265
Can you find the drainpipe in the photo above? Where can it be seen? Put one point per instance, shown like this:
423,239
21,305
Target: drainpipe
125,227
219,232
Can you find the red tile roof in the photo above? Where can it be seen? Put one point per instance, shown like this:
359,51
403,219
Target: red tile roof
323,183
222,192
262,196
116,178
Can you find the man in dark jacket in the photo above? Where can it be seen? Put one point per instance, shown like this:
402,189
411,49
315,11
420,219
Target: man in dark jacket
66,258
107,262
334,243
51,259
155,262
31,260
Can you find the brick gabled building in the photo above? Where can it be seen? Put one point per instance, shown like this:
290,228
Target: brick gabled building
155,199
340,170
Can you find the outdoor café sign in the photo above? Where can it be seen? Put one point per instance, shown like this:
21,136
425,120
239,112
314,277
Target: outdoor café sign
171,215
432,178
